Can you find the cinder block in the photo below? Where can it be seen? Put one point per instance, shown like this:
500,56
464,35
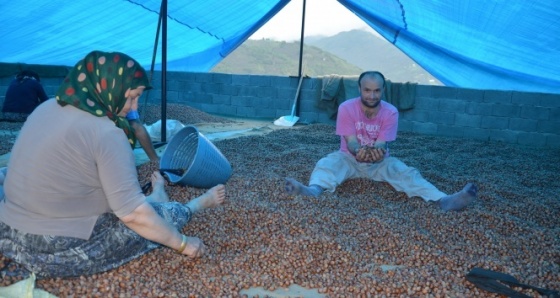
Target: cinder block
528,125
264,113
307,105
203,77
426,103
222,78
190,86
278,82
173,85
505,110
416,115
245,111
467,120
497,96
504,135
423,91
425,128
285,93
536,113
554,114
492,122
266,91
280,104
260,102
553,141
247,91
529,99
470,95
477,134
483,109
259,80
308,117
232,90
452,105
173,96
548,126
226,110
450,131
444,92
325,118
212,88
550,100
220,99
241,80
405,125
441,117
177,75
241,101
532,139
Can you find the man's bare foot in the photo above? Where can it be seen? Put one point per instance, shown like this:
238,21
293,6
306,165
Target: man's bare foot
459,200
158,189
294,187
214,197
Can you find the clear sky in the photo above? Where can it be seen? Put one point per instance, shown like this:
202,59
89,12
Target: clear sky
322,17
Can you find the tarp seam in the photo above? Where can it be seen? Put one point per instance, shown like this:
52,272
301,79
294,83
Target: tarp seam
405,25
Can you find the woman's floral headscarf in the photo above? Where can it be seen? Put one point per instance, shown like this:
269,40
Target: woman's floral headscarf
99,84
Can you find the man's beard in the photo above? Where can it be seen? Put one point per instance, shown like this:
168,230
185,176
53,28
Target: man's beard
365,103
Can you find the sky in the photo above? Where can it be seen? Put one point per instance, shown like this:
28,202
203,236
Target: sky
322,17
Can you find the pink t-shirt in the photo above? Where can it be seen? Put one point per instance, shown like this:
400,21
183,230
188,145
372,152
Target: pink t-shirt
351,120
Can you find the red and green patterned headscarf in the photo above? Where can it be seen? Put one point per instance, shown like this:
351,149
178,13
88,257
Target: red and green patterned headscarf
98,83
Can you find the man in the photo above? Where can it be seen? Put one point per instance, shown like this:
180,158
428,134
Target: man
366,125
142,135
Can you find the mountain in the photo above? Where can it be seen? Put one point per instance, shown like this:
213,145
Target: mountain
347,53
367,51
268,57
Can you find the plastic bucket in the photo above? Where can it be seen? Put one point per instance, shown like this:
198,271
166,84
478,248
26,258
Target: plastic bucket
201,163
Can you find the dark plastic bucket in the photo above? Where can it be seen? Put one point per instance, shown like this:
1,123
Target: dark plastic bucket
202,164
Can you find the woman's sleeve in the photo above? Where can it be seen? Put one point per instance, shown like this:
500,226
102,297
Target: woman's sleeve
118,174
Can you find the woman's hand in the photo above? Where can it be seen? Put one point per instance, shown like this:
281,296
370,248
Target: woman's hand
195,247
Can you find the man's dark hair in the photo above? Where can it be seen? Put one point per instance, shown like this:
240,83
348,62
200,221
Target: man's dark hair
372,74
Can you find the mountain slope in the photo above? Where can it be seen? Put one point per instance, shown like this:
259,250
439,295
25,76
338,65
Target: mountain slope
370,52
268,57
347,53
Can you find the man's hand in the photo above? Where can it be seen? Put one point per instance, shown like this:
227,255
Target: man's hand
370,154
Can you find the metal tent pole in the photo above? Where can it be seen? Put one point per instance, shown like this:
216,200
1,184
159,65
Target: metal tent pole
300,74
164,71
301,41
154,54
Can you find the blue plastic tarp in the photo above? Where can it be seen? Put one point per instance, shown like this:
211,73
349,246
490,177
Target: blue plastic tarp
200,33
481,44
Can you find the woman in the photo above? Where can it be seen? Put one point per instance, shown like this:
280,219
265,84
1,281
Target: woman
73,204
24,94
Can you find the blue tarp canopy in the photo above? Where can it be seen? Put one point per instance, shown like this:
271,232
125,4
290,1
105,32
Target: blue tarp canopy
481,44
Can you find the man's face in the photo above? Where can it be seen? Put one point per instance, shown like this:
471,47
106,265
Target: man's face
371,91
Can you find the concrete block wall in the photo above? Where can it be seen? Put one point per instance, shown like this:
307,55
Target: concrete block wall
524,118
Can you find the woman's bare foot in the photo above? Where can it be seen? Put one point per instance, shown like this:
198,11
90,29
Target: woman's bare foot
459,200
214,197
294,187
158,189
